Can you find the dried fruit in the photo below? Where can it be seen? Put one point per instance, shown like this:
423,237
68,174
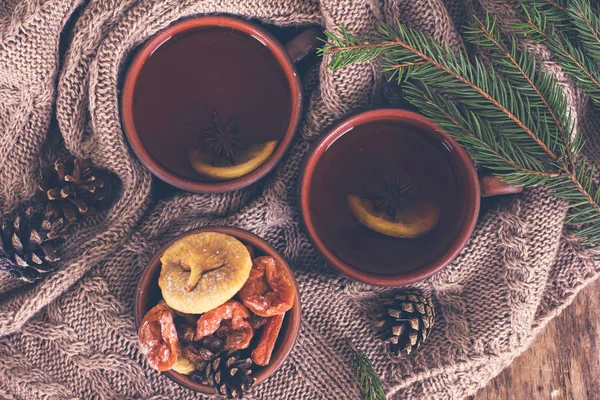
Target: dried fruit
183,366
202,271
185,332
197,354
239,332
261,355
158,338
188,318
256,321
269,290
214,343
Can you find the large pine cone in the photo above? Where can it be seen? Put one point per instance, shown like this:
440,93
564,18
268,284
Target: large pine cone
73,188
28,243
406,322
230,375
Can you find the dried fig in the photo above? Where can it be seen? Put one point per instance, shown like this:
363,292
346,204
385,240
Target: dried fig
202,271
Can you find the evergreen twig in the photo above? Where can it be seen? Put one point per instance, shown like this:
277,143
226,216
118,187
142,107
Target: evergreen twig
544,26
512,116
366,376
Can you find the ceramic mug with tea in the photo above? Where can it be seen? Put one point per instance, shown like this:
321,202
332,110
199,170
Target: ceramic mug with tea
389,199
211,104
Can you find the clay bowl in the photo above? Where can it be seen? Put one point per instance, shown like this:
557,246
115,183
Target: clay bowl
148,294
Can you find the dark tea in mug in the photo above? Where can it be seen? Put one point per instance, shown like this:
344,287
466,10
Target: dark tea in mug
386,197
194,74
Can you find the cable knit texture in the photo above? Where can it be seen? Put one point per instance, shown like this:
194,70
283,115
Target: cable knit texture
72,335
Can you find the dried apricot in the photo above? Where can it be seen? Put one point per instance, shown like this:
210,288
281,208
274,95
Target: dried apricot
269,289
261,355
158,338
237,327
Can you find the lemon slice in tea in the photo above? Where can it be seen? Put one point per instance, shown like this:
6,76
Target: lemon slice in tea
412,221
247,160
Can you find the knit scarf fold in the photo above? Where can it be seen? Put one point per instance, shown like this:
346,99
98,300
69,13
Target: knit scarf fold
72,335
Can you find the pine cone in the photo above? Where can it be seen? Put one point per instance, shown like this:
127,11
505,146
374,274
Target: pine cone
28,243
406,322
73,188
230,375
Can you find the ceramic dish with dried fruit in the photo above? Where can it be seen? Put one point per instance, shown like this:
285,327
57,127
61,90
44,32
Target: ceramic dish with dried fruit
217,310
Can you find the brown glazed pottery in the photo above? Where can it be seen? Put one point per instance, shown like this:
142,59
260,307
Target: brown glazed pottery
148,294
441,250
153,150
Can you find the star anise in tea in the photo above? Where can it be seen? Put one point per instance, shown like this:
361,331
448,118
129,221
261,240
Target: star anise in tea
391,195
223,138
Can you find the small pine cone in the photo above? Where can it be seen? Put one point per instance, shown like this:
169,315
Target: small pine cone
230,374
406,322
28,243
73,188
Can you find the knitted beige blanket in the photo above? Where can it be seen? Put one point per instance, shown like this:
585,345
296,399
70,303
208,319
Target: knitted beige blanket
72,335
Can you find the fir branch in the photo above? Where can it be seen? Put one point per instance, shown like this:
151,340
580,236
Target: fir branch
587,24
575,62
472,136
354,49
557,11
512,116
522,72
554,10
366,376
584,202
468,83
556,4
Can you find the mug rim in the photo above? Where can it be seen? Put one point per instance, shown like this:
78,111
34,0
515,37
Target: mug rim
293,316
346,126
176,29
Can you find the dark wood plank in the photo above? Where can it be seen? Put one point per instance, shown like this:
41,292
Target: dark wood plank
564,361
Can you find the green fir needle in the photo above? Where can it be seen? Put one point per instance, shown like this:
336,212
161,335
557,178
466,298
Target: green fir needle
365,375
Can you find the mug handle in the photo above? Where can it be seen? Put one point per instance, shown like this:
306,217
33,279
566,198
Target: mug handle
491,185
305,43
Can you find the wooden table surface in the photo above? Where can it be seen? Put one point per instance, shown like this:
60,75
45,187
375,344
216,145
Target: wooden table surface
564,361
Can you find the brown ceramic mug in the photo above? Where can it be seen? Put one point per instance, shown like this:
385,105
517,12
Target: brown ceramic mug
197,66
343,160
148,295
